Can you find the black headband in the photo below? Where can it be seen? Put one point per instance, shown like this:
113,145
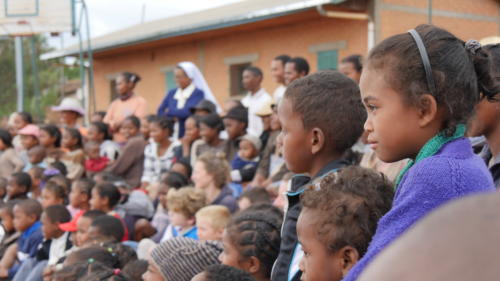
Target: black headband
425,61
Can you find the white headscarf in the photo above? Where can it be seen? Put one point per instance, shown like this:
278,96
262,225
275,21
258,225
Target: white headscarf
199,81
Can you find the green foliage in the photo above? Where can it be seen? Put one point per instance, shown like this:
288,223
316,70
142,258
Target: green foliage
49,77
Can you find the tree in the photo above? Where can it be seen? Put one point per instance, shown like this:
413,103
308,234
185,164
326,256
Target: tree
49,77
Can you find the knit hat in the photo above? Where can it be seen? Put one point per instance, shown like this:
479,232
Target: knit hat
181,258
254,140
204,105
239,113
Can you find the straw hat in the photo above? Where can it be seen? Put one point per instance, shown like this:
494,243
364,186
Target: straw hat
70,104
266,109
490,40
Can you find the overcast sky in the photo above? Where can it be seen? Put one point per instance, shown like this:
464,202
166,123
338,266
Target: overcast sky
110,15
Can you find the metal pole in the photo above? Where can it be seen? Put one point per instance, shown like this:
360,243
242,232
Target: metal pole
430,11
90,57
36,86
19,73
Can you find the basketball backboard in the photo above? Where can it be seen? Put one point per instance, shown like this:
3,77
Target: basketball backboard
28,17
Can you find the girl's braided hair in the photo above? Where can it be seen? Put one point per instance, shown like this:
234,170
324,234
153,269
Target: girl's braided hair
256,234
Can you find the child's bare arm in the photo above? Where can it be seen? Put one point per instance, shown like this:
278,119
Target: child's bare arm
9,258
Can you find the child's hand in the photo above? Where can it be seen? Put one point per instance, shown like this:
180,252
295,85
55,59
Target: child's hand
48,272
4,273
186,141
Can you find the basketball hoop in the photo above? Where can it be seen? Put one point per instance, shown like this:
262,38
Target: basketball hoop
31,17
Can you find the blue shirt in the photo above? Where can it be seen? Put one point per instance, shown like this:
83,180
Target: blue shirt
168,107
191,233
28,245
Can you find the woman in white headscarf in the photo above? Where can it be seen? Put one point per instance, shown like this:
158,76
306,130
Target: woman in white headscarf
191,89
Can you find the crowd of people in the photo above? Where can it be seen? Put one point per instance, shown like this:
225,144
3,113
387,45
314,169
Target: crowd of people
310,183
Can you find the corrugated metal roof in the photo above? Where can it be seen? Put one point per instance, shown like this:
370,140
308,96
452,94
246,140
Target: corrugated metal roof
225,16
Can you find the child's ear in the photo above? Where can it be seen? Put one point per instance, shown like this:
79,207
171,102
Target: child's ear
253,265
427,109
349,256
33,218
106,201
220,233
317,140
192,220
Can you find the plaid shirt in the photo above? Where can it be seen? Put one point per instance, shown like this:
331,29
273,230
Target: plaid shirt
154,165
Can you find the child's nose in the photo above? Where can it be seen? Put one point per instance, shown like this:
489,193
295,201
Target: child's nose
368,126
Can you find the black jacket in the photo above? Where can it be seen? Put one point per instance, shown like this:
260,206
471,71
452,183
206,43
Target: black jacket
289,239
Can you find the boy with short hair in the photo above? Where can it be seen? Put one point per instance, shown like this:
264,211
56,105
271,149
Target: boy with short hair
211,221
26,220
36,155
321,117
10,235
56,243
182,206
235,124
19,186
79,226
334,241
106,229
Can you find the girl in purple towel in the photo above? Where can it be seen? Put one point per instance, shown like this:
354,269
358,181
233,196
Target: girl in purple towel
419,89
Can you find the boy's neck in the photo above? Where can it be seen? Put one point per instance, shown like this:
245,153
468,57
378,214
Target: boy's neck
493,139
58,235
215,142
321,162
185,227
17,196
260,277
29,227
254,91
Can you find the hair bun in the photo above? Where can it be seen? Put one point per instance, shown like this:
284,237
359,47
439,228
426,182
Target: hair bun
472,46
220,155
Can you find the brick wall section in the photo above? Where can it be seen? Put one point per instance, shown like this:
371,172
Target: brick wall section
292,38
292,34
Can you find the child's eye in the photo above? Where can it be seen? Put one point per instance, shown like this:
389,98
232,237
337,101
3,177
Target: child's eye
371,107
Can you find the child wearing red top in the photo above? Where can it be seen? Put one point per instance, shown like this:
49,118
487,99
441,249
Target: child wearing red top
95,162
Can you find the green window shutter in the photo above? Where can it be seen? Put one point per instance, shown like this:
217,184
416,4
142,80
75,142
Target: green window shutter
327,60
170,80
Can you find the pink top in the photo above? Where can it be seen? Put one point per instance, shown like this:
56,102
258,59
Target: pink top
119,110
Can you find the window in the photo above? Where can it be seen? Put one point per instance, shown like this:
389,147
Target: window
327,60
236,75
170,79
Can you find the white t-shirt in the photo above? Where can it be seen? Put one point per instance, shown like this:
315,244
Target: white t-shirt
279,93
254,103
57,248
